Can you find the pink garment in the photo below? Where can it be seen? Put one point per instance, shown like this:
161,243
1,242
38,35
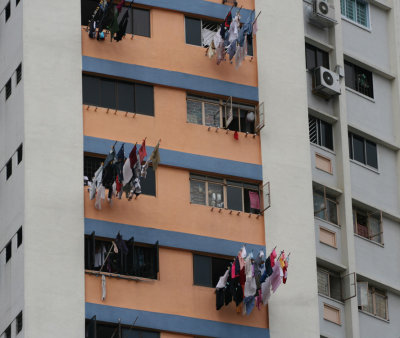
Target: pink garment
276,278
266,291
254,200
272,258
233,270
258,300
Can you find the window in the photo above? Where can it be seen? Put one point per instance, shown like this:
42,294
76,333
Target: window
19,237
7,332
363,151
329,284
200,32
8,251
117,94
224,193
8,11
8,89
9,168
325,205
356,10
316,57
92,162
320,132
139,260
141,22
358,79
111,330
207,270
19,73
19,322
368,225
19,154
211,112
372,300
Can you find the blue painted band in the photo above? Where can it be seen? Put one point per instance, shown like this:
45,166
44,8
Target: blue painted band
172,323
183,160
169,78
197,7
166,238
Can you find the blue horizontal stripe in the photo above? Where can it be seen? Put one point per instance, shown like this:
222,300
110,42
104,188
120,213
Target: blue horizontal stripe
197,7
169,78
172,323
183,160
166,238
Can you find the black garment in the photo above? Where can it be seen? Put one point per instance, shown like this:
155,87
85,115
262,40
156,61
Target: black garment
109,176
92,30
121,244
122,27
228,290
106,19
268,267
223,31
237,291
220,297
237,267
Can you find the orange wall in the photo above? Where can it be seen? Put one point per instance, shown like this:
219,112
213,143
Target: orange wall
166,49
171,210
173,293
169,124
174,335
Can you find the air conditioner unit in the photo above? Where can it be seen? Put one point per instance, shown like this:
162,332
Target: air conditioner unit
323,14
325,82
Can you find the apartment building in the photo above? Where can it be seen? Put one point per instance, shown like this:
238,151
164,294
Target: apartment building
338,61
308,125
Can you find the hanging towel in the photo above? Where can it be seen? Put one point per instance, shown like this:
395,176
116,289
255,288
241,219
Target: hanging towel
276,277
232,50
254,200
222,280
266,291
103,287
155,157
249,302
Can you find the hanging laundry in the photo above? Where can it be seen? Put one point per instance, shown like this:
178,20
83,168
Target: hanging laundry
228,289
211,50
226,24
241,53
119,163
247,29
155,156
96,182
222,280
114,27
103,287
234,29
101,195
120,5
232,50
249,302
122,27
142,151
219,298
254,200
266,291
143,171
272,258
236,135
276,277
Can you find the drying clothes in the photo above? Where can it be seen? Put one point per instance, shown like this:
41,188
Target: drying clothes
241,53
248,268
237,268
103,287
114,27
99,256
122,27
234,29
222,280
119,163
211,50
121,244
247,29
137,187
258,299
133,157
228,290
266,291
119,6
249,303
92,29
232,50
242,278
142,151
101,194
219,298
143,170
272,257
268,268
284,274
276,278
96,182
127,172
237,291
250,287
259,261
155,157
254,200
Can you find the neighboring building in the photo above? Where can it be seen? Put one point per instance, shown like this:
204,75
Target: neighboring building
350,276
325,83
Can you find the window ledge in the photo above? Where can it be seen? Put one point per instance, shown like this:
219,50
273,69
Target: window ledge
327,222
369,240
373,316
369,30
230,211
332,299
360,94
365,166
332,152
116,275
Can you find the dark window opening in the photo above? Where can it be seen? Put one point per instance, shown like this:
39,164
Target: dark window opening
19,237
368,224
363,151
8,11
8,251
141,22
107,330
358,79
320,132
316,57
91,164
329,284
193,31
9,168
7,332
19,322
138,260
19,154
87,9
8,89
19,73
243,119
116,94
207,270
17,2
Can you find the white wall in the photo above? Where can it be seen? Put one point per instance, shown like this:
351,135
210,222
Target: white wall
54,227
293,310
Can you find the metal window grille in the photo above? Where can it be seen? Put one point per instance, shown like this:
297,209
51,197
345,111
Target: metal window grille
91,164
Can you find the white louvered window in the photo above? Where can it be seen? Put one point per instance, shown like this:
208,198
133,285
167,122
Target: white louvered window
356,10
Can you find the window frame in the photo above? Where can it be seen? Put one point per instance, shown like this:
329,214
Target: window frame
315,51
19,322
317,122
8,251
368,215
330,274
325,209
356,72
8,88
355,21
212,258
203,101
351,151
224,182
9,169
373,291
